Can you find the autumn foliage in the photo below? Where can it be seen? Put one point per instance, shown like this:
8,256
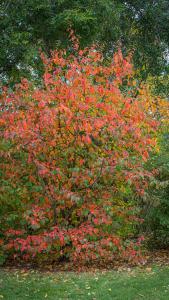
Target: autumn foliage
73,152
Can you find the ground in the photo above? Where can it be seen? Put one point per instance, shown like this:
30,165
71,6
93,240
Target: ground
150,283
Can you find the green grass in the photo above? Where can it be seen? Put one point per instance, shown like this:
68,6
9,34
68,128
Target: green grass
134,285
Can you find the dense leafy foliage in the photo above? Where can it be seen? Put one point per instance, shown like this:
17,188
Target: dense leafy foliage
28,25
73,154
157,203
156,200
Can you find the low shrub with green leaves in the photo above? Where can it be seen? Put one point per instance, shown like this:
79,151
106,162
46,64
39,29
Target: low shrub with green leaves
155,203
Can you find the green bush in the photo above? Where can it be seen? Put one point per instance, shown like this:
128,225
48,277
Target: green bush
155,204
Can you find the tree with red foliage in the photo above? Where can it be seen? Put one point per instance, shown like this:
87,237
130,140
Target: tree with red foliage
79,141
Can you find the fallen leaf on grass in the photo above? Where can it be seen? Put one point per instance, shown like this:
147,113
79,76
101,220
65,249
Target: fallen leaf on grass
148,269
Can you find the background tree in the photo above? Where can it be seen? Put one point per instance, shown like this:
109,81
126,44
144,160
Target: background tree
27,25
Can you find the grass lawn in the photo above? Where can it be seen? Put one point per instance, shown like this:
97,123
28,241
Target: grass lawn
124,285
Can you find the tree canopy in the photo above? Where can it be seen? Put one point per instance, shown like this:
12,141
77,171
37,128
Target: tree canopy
30,25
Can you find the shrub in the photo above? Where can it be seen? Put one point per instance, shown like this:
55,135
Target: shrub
155,205
73,154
